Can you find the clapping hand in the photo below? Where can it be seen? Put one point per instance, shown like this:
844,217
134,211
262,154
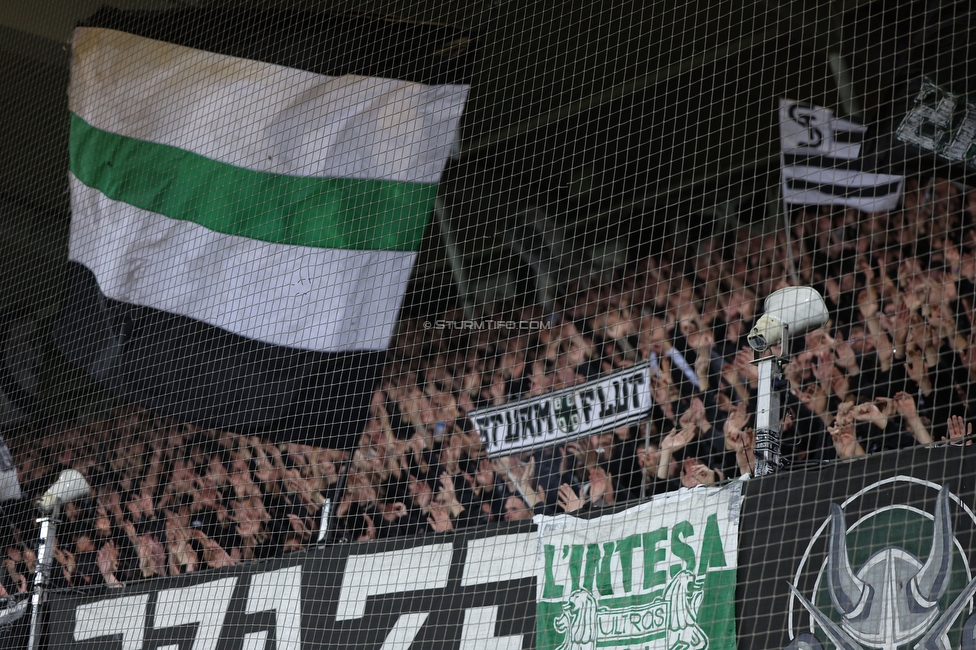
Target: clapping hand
869,412
845,441
568,500
735,426
958,429
677,439
601,486
905,405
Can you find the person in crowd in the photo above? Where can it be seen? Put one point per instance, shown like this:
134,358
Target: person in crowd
894,367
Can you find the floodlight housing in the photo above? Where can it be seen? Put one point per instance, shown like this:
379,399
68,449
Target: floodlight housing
70,485
795,310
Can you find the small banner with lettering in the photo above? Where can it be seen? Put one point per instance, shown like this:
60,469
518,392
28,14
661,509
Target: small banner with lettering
659,576
619,399
876,553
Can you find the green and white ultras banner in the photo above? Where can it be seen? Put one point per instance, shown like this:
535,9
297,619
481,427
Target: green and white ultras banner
657,576
277,204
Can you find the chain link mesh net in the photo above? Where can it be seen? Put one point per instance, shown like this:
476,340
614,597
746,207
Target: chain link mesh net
434,325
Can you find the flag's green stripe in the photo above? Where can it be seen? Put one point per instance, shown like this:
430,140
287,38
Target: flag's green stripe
321,212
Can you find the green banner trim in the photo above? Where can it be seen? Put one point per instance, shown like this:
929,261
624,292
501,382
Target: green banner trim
342,213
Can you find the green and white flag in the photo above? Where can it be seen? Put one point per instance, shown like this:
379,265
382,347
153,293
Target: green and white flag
277,201
660,575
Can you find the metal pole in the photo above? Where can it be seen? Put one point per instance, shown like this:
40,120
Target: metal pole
647,445
789,248
781,204
768,457
454,256
45,551
324,521
326,533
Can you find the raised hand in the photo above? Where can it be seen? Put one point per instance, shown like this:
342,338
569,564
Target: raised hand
737,419
10,564
745,452
439,519
867,304
869,412
845,441
900,325
814,398
568,500
823,369
181,553
420,493
743,364
67,562
694,416
601,486
844,355
213,554
677,439
108,563
447,495
904,404
958,429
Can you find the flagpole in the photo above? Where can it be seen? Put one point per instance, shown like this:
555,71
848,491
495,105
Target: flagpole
786,225
647,445
326,533
789,246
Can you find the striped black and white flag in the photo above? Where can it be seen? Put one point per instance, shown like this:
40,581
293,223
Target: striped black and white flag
821,161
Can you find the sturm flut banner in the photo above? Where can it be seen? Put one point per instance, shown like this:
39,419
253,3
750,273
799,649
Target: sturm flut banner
657,576
619,399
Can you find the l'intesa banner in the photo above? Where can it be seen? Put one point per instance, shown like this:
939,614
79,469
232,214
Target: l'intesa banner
657,576
619,399
875,553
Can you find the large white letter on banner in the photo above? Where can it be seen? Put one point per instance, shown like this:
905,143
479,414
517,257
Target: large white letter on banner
281,592
414,569
205,603
493,560
118,616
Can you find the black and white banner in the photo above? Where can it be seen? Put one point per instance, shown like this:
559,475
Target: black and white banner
943,124
458,592
622,398
820,157
878,553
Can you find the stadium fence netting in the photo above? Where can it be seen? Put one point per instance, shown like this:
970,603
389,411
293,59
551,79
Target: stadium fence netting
489,325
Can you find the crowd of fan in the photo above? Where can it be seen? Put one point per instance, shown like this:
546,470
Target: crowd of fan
166,499
892,368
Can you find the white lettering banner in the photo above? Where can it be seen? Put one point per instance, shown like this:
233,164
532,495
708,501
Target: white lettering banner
620,399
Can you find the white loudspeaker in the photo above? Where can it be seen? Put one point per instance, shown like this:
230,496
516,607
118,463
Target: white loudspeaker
800,309
70,485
